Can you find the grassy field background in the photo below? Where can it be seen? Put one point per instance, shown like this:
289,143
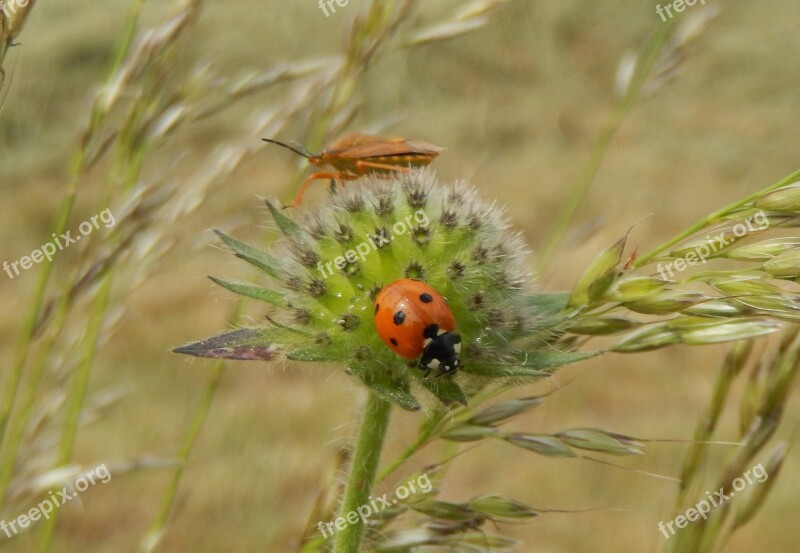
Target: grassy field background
518,104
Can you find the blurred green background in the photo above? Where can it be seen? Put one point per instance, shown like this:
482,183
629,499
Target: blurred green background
518,104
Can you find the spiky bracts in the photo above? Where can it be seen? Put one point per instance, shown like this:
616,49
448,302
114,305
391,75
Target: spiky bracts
326,270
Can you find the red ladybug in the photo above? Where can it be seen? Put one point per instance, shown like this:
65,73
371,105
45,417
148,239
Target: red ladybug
414,320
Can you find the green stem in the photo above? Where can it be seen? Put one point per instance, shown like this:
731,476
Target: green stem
422,439
362,470
157,527
159,523
79,165
647,60
80,386
32,318
434,426
703,223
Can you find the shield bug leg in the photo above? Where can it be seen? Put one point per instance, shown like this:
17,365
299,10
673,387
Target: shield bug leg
313,177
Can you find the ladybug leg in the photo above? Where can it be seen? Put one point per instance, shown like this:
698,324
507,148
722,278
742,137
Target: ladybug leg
425,368
444,371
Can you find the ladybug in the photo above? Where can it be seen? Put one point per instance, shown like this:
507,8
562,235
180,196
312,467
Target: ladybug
414,320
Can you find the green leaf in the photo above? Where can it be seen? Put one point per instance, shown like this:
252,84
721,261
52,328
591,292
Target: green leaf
548,305
446,389
396,391
245,344
254,256
263,294
502,371
529,365
289,228
548,360
316,354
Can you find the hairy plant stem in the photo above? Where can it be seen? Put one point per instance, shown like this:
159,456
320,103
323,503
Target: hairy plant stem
363,469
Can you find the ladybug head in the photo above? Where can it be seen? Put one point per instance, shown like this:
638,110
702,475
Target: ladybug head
443,353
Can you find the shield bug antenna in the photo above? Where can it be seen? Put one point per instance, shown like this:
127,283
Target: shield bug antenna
296,147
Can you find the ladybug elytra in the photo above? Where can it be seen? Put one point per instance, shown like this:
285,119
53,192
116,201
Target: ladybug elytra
414,320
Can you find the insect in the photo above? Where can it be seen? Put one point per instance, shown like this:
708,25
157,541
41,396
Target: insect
414,320
631,259
355,155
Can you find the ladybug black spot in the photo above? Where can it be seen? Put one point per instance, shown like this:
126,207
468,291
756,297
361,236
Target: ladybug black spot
393,341
425,297
431,331
399,317
377,306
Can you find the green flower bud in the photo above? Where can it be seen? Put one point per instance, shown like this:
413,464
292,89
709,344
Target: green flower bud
543,444
593,439
469,433
497,506
738,329
321,278
763,251
785,198
600,275
667,302
785,265
650,337
505,410
634,288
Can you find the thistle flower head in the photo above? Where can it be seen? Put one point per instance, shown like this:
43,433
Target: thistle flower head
330,264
